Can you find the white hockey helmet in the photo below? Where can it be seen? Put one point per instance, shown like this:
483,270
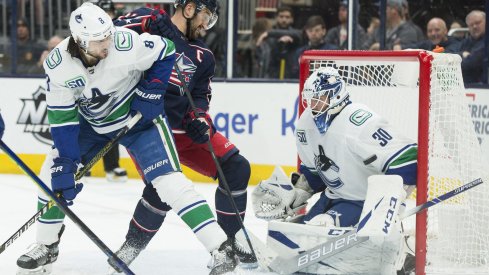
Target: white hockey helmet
90,23
324,92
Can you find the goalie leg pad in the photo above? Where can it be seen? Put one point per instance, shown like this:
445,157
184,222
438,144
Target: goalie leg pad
178,192
237,172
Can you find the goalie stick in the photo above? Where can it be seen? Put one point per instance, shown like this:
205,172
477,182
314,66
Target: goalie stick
216,162
78,176
281,265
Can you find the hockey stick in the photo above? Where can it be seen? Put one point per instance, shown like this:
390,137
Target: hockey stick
346,241
218,166
62,205
78,176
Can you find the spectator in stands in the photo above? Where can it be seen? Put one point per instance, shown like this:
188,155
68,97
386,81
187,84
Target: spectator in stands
27,49
315,29
53,42
457,26
108,7
339,35
472,48
260,48
437,36
407,18
397,31
214,38
284,40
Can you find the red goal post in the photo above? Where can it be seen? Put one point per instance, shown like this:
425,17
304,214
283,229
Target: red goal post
423,93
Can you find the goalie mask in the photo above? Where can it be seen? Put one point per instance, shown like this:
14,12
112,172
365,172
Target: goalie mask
92,29
208,6
325,95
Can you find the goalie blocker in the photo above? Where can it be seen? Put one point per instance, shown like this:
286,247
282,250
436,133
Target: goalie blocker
375,245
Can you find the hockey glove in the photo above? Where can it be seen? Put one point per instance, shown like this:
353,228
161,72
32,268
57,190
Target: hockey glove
2,126
148,100
63,179
160,24
198,125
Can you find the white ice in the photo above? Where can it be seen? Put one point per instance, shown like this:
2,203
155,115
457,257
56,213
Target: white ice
106,208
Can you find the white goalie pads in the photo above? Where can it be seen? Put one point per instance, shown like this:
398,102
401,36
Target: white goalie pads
276,197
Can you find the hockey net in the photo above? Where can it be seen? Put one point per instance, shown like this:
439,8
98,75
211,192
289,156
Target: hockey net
422,94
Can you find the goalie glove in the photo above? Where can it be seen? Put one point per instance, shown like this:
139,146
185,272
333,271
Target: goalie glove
276,197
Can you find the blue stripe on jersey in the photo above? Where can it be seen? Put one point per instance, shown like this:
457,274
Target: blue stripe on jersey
61,107
122,101
393,157
407,172
314,180
112,122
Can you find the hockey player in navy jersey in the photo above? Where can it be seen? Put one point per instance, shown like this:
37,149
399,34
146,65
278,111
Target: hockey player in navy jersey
95,84
2,126
191,129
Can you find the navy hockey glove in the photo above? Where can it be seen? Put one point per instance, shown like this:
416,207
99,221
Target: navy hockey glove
2,126
148,100
160,24
198,125
63,179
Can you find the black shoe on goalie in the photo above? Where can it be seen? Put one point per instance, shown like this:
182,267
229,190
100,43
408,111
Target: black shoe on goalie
223,259
127,253
39,258
246,258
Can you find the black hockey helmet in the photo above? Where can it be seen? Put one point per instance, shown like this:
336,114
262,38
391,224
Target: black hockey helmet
106,5
210,5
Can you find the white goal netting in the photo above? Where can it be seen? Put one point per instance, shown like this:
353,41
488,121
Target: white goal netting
457,237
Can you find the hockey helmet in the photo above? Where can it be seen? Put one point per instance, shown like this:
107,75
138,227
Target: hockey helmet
324,92
90,23
210,5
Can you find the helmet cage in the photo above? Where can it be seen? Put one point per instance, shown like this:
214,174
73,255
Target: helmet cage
324,88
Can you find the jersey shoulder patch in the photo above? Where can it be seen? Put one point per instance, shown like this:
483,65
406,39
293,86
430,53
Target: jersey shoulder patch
123,41
54,59
360,116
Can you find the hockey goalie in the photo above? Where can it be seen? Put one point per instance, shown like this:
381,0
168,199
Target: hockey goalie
361,168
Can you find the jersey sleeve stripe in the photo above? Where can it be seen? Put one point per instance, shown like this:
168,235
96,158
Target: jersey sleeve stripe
408,153
69,107
58,118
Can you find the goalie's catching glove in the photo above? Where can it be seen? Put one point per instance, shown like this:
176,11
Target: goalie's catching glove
277,198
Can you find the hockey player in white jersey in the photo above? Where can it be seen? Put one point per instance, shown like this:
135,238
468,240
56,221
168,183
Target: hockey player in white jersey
95,84
340,144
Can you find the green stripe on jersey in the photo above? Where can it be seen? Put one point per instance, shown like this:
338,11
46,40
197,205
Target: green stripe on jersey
169,142
170,47
409,155
119,112
60,117
54,213
198,215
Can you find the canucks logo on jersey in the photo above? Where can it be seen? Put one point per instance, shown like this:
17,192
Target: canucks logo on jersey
327,170
98,105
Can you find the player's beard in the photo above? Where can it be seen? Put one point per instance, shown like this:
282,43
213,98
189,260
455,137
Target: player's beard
196,31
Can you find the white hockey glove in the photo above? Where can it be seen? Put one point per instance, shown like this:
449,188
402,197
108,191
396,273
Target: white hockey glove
277,198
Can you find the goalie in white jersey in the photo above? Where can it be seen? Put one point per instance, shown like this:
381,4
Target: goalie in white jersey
340,145
95,84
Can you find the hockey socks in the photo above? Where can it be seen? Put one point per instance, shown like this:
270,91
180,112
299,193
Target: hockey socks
146,221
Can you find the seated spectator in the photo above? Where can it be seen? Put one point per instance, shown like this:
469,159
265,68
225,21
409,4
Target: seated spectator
339,35
27,49
472,48
284,40
437,36
407,18
316,33
261,50
457,27
397,31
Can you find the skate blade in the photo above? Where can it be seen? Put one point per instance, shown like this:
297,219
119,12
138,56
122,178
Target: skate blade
112,271
116,179
45,269
248,266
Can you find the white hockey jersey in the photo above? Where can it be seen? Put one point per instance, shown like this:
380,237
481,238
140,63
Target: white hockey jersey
358,143
102,93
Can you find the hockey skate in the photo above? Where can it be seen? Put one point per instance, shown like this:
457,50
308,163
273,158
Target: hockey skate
39,258
246,258
117,175
127,253
223,259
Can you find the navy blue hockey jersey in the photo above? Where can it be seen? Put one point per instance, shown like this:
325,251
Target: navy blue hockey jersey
196,63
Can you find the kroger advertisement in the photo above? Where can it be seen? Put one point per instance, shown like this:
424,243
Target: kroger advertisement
258,117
